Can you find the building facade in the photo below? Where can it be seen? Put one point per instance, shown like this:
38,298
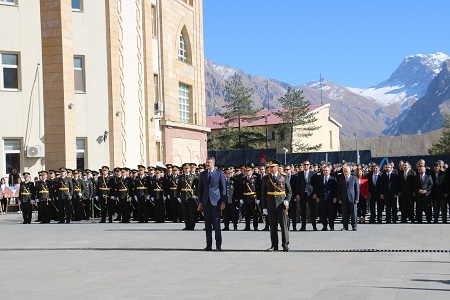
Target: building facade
89,83
327,134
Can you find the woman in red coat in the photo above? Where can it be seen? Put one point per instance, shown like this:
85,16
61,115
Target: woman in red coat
363,195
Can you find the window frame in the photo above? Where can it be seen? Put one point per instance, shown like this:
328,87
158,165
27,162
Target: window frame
83,72
13,3
5,152
3,66
81,9
182,52
81,151
184,107
154,16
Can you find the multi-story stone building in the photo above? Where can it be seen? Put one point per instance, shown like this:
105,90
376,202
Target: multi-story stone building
86,83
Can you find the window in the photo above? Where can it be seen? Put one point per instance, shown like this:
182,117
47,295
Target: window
12,150
81,150
158,151
274,136
154,21
183,96
77,5
78,64
9,71
13,2
182,55
158,105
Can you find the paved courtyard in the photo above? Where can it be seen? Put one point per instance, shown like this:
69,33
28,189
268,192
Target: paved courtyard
160,261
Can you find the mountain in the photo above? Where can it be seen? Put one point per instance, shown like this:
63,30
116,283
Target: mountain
426,114
366,112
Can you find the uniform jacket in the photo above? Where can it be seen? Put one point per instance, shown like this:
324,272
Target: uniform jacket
278,184
27,191
187,186
65,187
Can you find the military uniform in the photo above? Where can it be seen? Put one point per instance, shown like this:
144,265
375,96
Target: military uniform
77,199
141,193
124,193
173,195
43,189
105,187
231,210
187,189
275,190
157,196
65,192
87,195
250,194
26,196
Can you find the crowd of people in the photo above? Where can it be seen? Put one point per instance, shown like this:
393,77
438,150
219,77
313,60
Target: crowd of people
319,194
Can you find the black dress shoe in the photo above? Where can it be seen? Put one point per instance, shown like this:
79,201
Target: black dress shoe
302,229
285,249
67,222
226,229
246,229
61,222
324,229
354,229
342,229
218,249
332,228
272,249
266,229
207,248
315,228
255,229
102,221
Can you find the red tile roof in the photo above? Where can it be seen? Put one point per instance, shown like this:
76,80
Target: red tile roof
213,122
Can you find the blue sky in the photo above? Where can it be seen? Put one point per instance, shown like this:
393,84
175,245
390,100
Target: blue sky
355,43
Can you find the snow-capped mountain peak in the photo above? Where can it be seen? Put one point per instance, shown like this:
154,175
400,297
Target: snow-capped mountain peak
225,72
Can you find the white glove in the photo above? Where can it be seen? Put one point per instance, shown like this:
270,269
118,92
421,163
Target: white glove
80,194
135,197
286,203
148,197
70,197
164,198
168,196
195,197
241,201
258,202
265,212
129,199
179,200
37,200
153,199
32,202
96,197
112,197
50,199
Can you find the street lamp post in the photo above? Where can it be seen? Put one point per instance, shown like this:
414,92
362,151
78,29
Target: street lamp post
357,149
285,151
267,141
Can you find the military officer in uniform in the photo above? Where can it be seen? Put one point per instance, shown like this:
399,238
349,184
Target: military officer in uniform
43,196
157,195
94,180
187,189
103,195
124,193
276,193
173,195
26,196
87,195
65,192
250,196
77,200
230,212
141,193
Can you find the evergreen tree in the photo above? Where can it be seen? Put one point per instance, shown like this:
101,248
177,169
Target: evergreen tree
237,110
296,122
442,146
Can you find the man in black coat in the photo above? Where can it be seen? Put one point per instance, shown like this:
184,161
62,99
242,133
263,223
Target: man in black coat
423,184
376,204
325,193
438,193
406,191
305,189
389,192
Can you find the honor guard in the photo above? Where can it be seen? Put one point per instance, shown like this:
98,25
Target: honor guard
65,191
141,193
249,196
187,189
230,212
26,196
276,193
96,204
125,192
173,195
157,195
43,196
115,194
87,195
103,195
77,200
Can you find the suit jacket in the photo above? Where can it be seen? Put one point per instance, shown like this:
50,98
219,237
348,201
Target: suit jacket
427,185
348,191
328,191
294,185
374,187
305,185
439,188
389,186
214,190
406,186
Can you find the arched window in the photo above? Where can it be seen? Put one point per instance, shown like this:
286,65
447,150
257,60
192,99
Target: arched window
184,47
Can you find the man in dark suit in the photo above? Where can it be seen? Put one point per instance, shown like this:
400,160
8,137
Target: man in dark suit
423,184
376,204
438,193
212,195
292,203
276,193
305,180
406,191
325,193
389,192
348,197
